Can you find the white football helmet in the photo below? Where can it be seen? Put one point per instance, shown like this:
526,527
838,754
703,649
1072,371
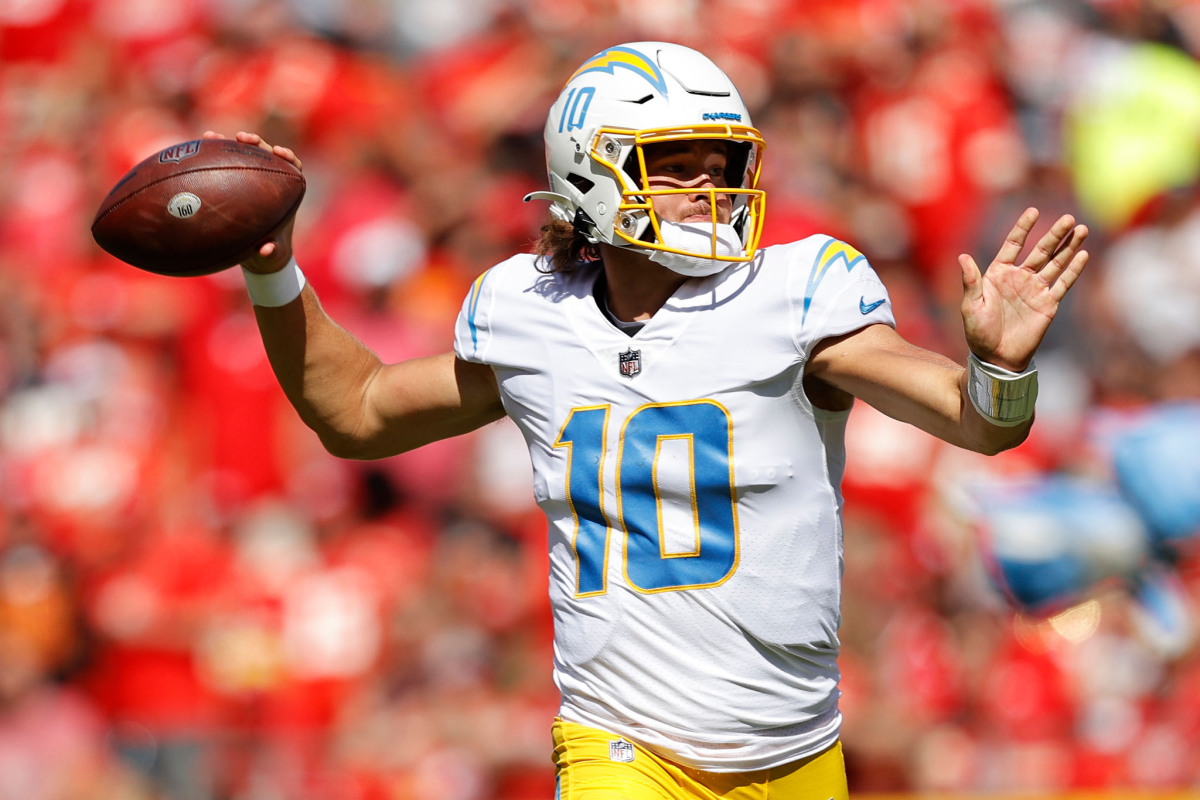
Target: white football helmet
635,95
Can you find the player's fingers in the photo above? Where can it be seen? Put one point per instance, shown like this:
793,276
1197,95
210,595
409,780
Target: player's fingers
266,249
1015,242
971,278
1046,247
290,155
1059,290
254,139
1066,251
212,135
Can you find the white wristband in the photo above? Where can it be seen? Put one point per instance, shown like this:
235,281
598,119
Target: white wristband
275,289
1001,397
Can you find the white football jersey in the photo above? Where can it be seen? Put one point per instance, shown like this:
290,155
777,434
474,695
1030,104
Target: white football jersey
692,493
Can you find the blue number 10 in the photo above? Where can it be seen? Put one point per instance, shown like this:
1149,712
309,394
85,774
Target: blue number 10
575,110
706,428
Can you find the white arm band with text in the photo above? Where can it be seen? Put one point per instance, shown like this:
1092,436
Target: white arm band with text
275,289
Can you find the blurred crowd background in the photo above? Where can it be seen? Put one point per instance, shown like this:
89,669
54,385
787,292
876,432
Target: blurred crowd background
197,603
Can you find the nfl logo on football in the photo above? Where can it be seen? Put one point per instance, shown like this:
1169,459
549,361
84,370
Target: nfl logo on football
630,362
179,152
621,751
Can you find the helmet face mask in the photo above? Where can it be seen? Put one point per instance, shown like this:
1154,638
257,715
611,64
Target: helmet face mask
635,96
636,210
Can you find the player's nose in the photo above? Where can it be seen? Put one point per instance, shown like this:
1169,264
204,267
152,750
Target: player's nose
701,186
704,193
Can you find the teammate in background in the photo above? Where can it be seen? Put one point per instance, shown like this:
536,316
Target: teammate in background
683,395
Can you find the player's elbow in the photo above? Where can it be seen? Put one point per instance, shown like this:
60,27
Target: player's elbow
368,443
344,446
360,446
349,436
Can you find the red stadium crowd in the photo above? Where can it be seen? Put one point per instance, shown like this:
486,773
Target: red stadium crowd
198,603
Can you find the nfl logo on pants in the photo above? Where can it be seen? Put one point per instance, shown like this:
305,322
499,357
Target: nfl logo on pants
621,751
630,362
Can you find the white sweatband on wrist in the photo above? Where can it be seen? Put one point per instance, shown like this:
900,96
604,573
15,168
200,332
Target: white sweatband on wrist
275,289
1001,397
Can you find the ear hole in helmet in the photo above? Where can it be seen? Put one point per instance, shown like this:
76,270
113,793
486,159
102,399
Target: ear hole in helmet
581,183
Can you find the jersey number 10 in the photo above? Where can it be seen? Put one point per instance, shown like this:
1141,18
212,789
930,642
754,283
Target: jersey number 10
707,429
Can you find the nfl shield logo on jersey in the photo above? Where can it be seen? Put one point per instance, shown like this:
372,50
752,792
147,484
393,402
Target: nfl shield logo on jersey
630,362
621,751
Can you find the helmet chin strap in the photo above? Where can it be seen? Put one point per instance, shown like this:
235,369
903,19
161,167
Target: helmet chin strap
696,238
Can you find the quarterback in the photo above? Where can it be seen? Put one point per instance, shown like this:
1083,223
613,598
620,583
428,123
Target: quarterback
683,394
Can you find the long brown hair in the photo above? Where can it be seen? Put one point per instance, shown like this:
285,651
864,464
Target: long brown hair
563,248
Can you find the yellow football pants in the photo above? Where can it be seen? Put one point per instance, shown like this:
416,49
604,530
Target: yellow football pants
594,765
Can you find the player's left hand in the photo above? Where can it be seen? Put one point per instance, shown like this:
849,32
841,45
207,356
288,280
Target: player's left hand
1007,309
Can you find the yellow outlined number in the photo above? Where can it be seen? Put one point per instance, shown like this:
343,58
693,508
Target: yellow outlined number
658,498
708,429
583,435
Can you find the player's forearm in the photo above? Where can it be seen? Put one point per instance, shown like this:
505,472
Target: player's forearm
913,385
323,369
360,407
929,392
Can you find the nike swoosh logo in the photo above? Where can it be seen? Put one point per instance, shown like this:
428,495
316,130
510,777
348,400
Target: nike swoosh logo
867,309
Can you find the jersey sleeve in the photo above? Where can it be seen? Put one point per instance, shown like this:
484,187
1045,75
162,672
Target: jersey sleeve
834,291
473,330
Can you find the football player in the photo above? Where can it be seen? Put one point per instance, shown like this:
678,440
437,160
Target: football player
683,394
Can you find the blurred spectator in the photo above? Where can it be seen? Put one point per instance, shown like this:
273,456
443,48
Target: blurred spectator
197,602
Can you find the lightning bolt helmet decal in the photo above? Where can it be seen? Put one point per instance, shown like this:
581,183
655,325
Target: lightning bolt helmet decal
625,58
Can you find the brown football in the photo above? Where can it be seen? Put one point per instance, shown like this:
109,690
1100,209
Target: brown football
198,207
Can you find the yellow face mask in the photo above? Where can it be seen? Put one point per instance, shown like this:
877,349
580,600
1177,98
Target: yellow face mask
749,201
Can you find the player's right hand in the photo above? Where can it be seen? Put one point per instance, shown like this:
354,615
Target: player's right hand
1007,309
275,254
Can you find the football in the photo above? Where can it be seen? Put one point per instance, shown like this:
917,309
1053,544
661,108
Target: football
198,207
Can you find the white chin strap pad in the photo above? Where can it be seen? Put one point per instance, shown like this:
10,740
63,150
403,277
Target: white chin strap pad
697,239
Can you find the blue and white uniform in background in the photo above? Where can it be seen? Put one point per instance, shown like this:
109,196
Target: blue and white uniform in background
692,492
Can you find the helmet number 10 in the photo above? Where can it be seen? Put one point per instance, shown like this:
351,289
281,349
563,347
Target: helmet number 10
701,429
575,108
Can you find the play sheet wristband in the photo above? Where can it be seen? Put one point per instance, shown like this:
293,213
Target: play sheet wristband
1003,398
275,289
